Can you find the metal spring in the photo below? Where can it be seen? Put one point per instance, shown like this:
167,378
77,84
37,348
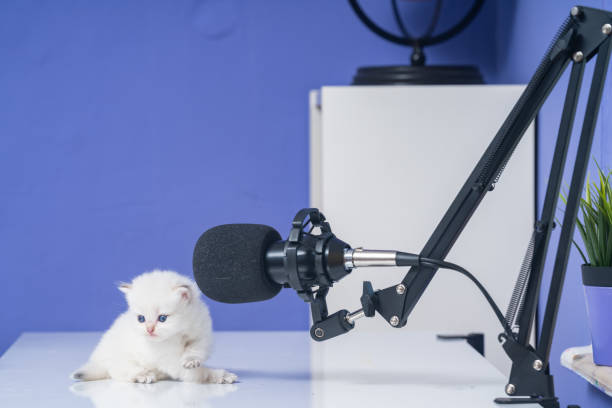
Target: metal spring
517,301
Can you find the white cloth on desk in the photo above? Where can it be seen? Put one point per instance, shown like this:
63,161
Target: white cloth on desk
580,361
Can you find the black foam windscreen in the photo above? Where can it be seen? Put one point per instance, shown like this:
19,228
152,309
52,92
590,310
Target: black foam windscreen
229,263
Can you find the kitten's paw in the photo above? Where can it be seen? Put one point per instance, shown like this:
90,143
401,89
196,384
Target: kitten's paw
219,376
229,378
191,362
146,378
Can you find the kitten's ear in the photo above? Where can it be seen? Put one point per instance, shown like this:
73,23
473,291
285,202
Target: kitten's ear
184,291
124,287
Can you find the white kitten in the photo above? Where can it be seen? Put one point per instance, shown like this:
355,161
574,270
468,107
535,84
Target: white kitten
166,333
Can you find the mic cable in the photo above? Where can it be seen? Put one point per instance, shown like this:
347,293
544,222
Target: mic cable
408,259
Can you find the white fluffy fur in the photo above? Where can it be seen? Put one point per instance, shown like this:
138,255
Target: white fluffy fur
176,350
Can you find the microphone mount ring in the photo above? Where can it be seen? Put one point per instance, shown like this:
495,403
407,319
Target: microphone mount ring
328,253
302,218
296,238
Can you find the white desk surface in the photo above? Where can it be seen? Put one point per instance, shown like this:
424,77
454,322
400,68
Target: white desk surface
275,369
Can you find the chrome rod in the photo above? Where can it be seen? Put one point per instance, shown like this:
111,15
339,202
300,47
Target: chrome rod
358,314
359,257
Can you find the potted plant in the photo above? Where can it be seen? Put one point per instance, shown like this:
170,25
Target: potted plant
595,226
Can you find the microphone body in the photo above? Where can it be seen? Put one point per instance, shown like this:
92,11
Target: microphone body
240,263
318,261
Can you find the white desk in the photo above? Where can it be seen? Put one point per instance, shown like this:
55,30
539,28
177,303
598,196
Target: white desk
275,369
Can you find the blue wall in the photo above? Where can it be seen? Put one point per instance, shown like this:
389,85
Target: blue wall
127,128
525,30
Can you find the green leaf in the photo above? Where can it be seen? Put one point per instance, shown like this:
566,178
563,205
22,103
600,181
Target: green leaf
594,219
580,251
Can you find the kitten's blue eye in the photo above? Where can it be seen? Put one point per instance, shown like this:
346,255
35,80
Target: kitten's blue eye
162,318
141,318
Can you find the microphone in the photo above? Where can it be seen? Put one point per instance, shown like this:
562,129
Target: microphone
240,263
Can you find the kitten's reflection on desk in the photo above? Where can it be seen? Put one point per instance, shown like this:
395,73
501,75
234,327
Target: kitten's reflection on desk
115,394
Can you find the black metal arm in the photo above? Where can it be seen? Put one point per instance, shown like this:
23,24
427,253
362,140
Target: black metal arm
585,34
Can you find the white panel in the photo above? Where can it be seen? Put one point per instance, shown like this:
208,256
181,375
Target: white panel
315,145
391,161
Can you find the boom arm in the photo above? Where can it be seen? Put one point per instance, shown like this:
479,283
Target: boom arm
584,34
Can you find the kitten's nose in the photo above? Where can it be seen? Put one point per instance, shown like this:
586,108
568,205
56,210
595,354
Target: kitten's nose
150,329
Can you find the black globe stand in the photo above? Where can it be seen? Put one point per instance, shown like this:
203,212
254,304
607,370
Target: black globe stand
417,73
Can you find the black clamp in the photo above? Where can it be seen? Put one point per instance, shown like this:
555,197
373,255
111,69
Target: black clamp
530,379
332,326
368,299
